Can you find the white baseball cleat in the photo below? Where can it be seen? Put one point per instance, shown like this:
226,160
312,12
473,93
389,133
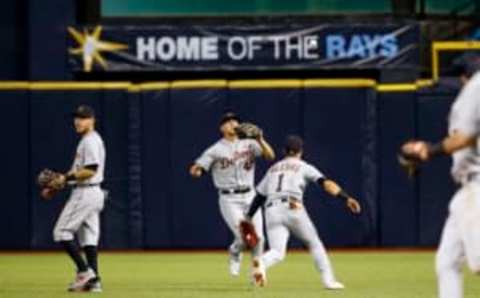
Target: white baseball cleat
259,275
81,280
334,285
235,264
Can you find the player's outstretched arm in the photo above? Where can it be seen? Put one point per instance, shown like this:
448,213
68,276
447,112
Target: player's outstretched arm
267,150
196,171
414,152
335,190
424,151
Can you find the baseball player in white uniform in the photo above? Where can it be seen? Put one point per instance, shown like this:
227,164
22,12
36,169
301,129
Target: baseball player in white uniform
460,239
232,164
281,192
80,216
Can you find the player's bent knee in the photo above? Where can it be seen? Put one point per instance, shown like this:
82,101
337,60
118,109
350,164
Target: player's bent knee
315,246
88,242
279,255
62,235
445,263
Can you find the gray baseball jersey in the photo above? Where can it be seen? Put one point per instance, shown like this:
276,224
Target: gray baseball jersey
288,177
80,216
232,163
465,118
90,150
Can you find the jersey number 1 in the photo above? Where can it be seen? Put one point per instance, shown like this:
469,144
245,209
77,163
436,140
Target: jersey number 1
280,182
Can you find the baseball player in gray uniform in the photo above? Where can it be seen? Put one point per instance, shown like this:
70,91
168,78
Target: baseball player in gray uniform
460,239
80,216
232,164
281,192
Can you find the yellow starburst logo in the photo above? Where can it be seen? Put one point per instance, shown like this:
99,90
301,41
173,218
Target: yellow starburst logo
90,47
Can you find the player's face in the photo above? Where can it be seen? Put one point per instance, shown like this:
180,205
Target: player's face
83,125
228,128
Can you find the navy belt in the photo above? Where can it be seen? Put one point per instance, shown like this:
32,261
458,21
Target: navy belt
235,191
85,185
294,202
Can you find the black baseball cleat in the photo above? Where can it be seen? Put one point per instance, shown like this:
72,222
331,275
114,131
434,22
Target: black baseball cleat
93,285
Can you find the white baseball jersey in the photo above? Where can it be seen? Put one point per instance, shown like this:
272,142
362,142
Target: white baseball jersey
465,118
288,177
232,163
90,151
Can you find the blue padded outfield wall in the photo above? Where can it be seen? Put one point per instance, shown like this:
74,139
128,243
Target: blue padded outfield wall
153,132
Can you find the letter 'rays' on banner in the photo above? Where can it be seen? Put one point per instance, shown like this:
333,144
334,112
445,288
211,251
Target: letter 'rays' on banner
256,47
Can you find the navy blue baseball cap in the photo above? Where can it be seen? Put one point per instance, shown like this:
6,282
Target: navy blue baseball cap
84,111
229,116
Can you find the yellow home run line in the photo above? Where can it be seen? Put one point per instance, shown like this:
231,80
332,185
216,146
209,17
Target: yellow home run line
438,46
234,84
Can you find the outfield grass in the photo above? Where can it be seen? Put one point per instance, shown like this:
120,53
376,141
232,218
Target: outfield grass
366,275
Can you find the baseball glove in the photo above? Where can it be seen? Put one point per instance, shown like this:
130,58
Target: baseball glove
248,130
409,158
50,183
249,235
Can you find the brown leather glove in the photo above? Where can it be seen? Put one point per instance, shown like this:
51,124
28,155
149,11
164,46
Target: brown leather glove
249,235
50,183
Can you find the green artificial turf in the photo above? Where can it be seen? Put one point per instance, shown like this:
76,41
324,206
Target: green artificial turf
126,275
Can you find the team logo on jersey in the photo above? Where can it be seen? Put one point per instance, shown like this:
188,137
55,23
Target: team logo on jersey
246,155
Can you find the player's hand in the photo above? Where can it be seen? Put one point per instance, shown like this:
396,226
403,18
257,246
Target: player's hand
196,171
354,206
417,149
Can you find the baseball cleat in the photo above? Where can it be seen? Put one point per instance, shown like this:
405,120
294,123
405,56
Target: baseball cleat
93,286
335,285
81,280
235,264
259,275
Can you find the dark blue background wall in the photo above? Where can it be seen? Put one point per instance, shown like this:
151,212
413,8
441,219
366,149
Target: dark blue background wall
32,32
152,136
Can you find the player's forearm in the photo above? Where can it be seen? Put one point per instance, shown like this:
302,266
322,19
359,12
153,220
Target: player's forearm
332,188
335,190
267,150
81,175
455,142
